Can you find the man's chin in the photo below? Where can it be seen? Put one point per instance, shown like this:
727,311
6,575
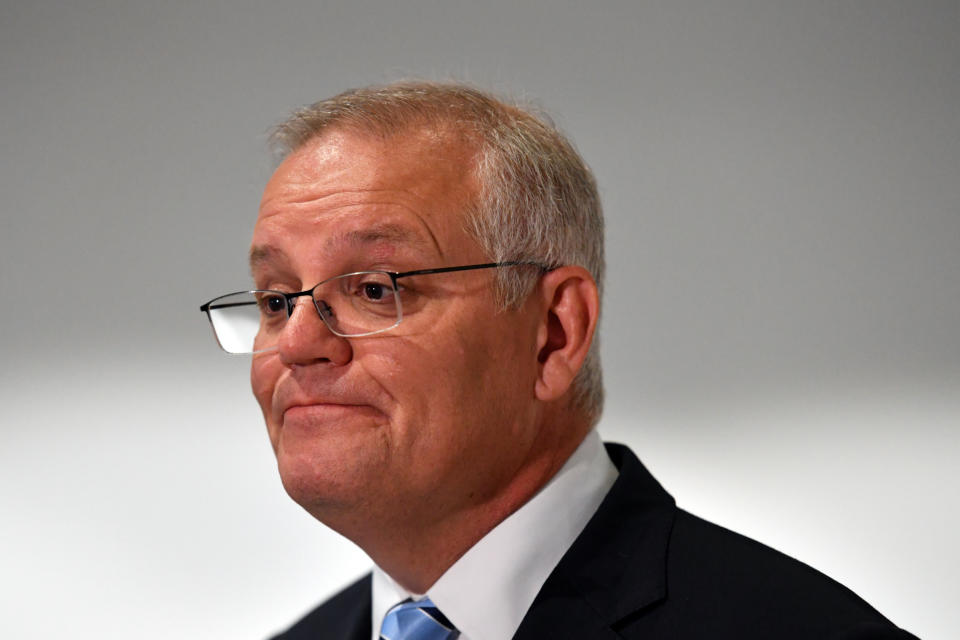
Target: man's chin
327,471
315,488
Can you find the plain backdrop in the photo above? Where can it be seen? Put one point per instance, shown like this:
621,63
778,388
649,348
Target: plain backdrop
779,334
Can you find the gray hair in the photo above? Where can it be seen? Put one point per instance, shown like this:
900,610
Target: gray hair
538,200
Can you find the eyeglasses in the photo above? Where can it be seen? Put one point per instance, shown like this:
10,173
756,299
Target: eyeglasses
352,305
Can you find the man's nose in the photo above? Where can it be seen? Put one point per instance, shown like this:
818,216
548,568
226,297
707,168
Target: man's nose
306,339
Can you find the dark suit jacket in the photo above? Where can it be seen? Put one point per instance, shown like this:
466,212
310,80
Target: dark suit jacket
644,569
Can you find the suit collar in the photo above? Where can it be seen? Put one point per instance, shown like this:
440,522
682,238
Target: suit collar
617,565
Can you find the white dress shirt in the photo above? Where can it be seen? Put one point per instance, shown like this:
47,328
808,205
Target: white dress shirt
487,592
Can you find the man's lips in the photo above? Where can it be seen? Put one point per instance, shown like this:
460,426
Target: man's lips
296,397
310,405
326,410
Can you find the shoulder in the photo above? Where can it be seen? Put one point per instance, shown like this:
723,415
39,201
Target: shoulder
674,575
714,574
345,616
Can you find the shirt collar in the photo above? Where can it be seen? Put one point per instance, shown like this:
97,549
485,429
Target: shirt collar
487,592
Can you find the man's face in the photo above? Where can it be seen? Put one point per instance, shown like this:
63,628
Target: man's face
441,406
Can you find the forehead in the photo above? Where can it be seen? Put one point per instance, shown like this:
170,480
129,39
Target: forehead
345,190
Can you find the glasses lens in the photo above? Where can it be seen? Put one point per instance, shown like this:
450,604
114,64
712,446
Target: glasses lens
359,304
236,320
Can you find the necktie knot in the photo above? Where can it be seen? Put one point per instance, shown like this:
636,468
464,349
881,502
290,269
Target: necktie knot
420,620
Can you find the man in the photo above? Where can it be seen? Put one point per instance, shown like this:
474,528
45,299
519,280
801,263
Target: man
428,265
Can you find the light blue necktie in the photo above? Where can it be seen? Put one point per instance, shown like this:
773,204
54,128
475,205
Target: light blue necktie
417,621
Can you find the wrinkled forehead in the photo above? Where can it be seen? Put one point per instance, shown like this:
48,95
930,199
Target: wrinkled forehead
349,190
419,159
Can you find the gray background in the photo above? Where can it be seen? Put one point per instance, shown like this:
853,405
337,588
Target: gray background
780,331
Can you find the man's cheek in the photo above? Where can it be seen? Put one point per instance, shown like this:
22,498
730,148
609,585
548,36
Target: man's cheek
400,364
263,380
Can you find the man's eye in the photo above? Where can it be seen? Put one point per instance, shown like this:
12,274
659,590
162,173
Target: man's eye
273,304
375,291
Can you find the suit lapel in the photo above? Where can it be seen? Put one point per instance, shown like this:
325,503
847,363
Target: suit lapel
345,616
356,619
615,568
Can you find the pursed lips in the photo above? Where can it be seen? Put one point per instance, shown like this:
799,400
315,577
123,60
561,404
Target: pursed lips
305,397
320,408
321,405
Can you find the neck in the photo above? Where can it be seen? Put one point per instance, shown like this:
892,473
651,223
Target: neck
416,549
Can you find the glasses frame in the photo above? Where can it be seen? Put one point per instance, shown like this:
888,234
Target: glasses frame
394,276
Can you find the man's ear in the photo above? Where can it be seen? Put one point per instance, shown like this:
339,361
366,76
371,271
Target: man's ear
571,309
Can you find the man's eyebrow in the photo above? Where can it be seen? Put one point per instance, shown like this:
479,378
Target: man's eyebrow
385,232
262,254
